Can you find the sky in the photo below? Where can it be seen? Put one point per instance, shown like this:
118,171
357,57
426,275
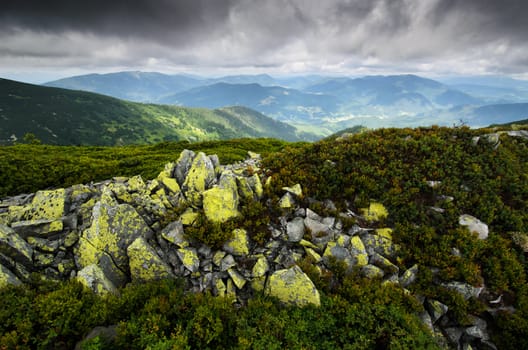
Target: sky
46,40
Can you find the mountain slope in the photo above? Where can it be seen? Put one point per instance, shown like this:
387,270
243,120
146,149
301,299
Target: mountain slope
59,116
132,86
279,102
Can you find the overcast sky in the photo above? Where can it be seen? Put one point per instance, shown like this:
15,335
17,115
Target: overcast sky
42,40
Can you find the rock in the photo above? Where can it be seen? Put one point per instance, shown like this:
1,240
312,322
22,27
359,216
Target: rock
13,246
293,286
371,271
40,227
465,289
173,233
295,230
287,201
358,251
239,244
296,190
337,252
221,203
313,255
380,242
189,217
201,176
375,212
93,277
189,258
170,184
7,277
87,254
313,215
47,205
44,245
113,229
436,309
260,268
237,278
218,256
145,264
256,185
183,165
409,276
383,263
474,225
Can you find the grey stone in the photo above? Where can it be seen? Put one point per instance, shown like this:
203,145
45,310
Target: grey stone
13,246
295,229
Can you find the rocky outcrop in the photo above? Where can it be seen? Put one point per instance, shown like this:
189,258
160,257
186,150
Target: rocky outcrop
114,232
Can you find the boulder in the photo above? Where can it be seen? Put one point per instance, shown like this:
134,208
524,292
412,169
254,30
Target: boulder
7,277
295,230
474,225
189,258
296,190
201,176
183,164
113,229
371,271
220,203
436,309
375,212
239,244
237,278
466,290
174,233
47,205
39,227
337,252
145,263
16,248
380,242
358,251
409,276
93,277
260,268
293,286
287,201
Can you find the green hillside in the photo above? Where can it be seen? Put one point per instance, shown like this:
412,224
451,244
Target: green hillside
66,117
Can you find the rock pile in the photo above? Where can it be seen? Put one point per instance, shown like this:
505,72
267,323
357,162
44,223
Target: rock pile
110,233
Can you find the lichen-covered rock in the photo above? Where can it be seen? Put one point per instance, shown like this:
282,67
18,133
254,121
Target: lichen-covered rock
371,271
239,244
339,253
474,225
237,278
296,190
16,248
358,251
189,258
466,290
201,176
380,242
287,201
256,185
220,203
183,164
7,277
47,205
436,309
260,268
39,227
383,263
174,233
145,263
45,245
409,276
113,229
93,277
295,230
293,286
87,254
375,212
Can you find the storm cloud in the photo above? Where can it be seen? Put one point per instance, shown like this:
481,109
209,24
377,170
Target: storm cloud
276,36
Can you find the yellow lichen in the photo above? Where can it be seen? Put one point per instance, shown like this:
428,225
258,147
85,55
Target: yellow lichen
375,212
238,245
261,267
47,205
220,204
145,264
293,286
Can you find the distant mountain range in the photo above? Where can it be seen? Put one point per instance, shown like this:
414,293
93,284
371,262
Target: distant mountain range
326,104
61,116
